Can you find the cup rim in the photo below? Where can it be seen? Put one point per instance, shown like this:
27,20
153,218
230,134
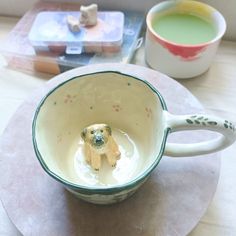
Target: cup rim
216,38
98,189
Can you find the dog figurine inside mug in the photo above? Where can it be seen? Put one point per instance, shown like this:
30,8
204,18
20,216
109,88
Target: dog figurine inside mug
98,143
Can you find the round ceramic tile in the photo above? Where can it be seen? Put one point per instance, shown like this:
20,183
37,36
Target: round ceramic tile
171,202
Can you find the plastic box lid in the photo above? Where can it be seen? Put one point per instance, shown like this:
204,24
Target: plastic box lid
51,29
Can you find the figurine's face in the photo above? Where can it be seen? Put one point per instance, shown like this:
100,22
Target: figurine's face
84,14
96,135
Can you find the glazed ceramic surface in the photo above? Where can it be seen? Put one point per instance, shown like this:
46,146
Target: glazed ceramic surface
182,60
138,116
128,106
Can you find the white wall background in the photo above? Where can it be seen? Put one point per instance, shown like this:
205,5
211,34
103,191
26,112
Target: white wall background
227,8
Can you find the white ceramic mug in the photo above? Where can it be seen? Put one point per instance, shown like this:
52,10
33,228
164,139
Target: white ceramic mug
182,60
140,123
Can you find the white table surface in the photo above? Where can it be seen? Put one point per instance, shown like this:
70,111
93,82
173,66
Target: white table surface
216,90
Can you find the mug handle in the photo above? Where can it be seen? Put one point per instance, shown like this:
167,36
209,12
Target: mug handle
199,122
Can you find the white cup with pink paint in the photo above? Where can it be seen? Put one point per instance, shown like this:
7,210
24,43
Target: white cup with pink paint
182,37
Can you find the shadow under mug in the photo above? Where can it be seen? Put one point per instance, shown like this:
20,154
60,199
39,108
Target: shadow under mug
132,107
182,60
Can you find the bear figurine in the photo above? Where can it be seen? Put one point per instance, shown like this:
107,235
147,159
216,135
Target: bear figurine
88,15
99,142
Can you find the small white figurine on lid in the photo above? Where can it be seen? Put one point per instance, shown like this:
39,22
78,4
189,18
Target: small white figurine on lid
99,142
88,15
73,23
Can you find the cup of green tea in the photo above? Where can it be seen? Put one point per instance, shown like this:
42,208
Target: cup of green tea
182,37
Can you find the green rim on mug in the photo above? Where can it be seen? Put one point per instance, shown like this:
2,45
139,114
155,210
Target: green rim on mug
109,189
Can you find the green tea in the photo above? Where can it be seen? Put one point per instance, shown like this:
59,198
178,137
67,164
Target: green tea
184,29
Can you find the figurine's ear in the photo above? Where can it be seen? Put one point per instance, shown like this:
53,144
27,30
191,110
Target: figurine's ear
108,128
83,133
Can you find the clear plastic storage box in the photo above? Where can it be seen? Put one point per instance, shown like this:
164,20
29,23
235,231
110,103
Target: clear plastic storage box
50,32
26,52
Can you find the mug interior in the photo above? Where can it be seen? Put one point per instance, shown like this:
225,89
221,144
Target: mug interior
130,106
195,8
